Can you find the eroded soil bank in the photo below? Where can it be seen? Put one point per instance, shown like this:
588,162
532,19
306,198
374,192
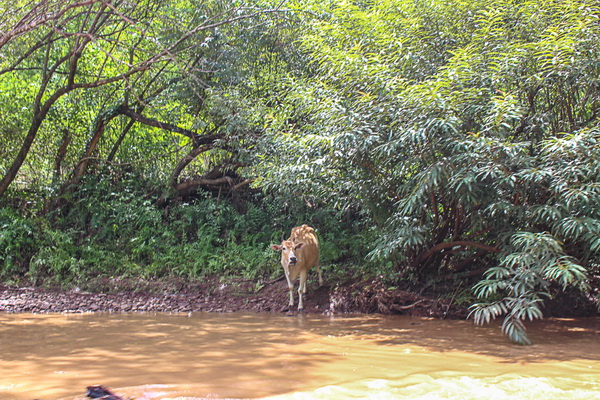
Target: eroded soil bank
212,295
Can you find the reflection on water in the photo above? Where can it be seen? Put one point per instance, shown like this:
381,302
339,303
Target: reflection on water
156,356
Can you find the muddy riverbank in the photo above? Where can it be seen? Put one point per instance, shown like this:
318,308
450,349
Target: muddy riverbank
212,295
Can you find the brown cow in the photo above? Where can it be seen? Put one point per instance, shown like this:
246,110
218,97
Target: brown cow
299,253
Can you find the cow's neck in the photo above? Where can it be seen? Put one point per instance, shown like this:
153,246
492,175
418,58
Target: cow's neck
293,271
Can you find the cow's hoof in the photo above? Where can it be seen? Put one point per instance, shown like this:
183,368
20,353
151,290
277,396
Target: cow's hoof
285,309
301,310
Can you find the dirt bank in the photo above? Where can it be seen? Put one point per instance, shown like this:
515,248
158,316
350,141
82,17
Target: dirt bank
211,295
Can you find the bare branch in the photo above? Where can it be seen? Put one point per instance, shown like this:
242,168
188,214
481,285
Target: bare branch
33,20
242,184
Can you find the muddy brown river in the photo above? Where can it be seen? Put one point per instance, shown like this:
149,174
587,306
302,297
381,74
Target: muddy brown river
161,356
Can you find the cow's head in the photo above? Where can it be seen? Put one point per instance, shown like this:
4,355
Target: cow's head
288,252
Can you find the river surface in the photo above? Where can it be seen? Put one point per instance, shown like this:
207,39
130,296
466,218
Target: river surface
160,356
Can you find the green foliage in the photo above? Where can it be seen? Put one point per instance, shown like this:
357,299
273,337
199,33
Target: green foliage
17,239
36,252
109,227
57,260
522,280
454,127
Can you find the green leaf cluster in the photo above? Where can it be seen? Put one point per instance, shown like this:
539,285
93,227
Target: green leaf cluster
522,279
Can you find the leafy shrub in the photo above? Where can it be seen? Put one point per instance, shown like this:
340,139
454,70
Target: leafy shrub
56,258
17,242
110,227
523,281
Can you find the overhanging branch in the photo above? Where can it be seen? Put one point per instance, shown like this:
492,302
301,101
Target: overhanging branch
198,139
202,182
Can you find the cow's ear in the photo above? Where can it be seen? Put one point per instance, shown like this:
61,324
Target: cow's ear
276,247
299,245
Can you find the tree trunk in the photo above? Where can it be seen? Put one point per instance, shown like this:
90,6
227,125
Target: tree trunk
120,139
60,155
12,172
99,126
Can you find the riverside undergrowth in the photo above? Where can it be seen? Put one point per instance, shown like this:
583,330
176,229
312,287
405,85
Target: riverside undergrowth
113,228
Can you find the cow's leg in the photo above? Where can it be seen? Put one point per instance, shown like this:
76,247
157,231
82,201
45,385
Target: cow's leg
291,288
292,296
320,276
302,289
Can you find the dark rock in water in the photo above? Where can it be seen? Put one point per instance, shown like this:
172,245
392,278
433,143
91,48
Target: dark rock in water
100,392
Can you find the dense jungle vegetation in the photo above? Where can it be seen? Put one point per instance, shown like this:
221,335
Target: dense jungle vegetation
449,144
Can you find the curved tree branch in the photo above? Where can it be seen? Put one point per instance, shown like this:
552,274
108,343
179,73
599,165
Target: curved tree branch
187,185
198,139
195,152
242,184
458,243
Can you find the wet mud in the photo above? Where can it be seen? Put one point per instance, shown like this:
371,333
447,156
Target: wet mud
212,295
